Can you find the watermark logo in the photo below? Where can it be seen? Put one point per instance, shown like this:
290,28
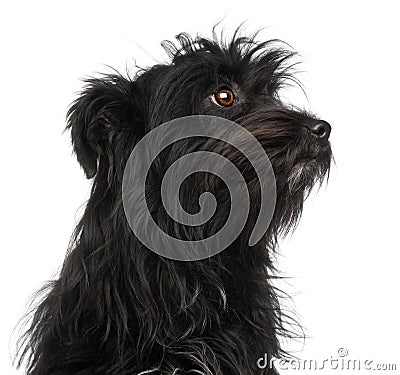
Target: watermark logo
146,152
341,361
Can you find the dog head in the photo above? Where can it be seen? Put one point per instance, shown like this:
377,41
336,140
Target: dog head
240,81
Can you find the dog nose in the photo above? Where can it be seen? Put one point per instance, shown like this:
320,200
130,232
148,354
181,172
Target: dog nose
320,129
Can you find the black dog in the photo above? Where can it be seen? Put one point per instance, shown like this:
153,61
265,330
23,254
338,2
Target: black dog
117,307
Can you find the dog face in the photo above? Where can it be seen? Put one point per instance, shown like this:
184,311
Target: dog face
239,81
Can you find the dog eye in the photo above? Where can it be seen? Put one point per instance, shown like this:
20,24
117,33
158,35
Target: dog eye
224,97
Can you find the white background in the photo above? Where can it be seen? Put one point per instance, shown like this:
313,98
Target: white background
344,256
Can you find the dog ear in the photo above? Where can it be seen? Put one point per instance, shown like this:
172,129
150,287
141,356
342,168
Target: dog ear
104,105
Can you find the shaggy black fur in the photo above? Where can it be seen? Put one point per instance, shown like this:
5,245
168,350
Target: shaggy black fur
117,308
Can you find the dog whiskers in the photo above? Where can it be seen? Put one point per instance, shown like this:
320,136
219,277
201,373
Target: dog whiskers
295,176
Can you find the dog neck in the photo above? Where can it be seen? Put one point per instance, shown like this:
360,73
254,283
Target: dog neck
146,306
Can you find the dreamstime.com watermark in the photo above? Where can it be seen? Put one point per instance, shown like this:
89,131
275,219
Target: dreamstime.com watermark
341,361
